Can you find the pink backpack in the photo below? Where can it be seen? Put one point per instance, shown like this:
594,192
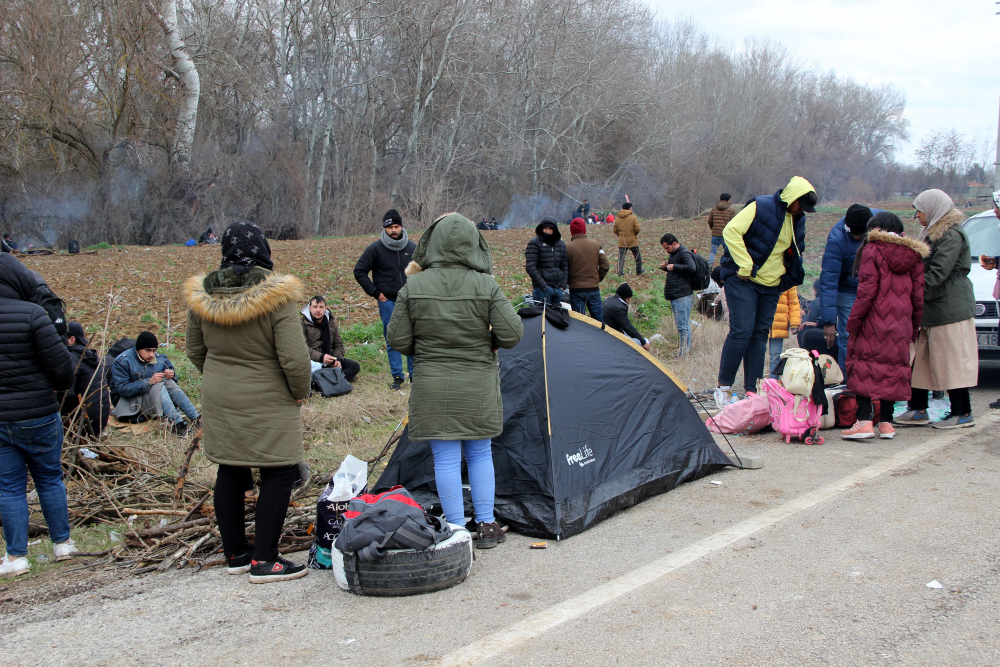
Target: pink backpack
742,417
792,416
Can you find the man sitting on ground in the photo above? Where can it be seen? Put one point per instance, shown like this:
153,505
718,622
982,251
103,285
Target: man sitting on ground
208,237
8,245
616,314
323,338
144,379
90,387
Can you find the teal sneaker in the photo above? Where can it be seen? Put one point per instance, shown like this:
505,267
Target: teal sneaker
913,418
955,421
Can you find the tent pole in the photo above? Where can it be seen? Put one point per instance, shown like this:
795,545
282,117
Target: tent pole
545,373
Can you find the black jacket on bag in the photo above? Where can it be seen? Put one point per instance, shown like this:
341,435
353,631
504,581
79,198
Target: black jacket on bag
677,285
616,316
34,361
387,268
546,260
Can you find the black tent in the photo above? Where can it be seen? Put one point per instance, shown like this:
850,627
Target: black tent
592,424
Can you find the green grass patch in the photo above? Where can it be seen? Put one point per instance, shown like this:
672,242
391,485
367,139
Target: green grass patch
103,245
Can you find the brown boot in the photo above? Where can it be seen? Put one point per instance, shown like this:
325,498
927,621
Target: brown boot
490,535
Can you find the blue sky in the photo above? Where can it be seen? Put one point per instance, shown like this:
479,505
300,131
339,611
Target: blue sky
944,56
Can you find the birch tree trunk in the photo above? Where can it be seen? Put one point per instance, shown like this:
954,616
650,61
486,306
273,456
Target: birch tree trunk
187,75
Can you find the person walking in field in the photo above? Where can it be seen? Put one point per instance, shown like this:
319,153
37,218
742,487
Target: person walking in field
884,323
837,284
677,288
718,218
947,351
627,230
34,364
762,258
386,261
244,337
588,264
787,317
546,262
452,317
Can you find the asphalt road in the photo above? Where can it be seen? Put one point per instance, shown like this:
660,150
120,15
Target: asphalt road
820,558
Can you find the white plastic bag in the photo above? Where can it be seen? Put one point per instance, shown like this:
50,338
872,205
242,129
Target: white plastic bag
348,481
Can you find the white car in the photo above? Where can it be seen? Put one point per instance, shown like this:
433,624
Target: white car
984,239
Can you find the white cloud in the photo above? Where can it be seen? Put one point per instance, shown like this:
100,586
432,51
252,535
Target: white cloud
942,56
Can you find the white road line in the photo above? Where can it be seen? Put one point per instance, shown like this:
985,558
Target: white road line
575,607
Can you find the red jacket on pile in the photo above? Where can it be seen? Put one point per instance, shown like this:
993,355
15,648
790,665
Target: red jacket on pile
886,316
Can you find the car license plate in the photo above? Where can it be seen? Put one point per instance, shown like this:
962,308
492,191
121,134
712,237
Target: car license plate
987,340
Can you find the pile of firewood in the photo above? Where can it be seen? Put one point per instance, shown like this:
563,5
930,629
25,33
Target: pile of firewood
168,523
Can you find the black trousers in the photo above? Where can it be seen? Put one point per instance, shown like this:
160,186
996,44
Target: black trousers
231,484
961,402
865,411
621,259
351,369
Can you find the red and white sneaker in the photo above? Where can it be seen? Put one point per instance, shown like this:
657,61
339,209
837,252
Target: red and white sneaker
860,431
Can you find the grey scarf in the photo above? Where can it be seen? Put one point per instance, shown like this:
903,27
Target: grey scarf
394,245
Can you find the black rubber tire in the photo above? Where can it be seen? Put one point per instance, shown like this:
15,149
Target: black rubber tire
410,572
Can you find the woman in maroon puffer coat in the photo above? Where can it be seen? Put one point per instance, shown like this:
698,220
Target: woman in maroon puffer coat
884,321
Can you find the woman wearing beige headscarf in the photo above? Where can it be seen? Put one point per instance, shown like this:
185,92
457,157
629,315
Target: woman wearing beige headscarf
947,354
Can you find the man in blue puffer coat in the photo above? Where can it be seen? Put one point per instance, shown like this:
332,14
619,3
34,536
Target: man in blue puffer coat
837,287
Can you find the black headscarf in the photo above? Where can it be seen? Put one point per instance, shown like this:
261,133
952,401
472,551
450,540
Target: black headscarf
244,247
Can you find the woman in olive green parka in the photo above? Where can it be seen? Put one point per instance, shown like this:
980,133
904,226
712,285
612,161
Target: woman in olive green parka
244,336
452,317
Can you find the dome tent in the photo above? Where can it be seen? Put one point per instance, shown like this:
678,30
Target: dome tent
593,424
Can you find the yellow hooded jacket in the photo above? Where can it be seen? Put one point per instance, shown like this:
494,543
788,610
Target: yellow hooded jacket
770,273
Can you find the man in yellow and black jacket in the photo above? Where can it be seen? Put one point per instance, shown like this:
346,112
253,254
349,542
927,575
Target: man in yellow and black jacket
763,258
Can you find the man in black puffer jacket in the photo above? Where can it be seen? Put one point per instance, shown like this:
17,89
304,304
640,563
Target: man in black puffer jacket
677,288
90,383
34,364
547,263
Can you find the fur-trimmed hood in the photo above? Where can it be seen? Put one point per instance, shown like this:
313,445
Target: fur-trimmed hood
947,221
233,306
919,247
901,253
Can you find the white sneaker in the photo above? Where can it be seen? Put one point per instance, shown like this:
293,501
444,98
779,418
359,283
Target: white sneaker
722,398
15,567
64,550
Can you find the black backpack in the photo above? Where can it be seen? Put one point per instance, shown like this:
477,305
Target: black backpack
74,247
702,272
330,382
55,307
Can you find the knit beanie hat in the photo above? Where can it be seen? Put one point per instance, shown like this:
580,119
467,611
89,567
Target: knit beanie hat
392,217
578,226
146,340
624,291
857,218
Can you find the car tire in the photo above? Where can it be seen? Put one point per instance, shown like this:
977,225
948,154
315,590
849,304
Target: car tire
407,571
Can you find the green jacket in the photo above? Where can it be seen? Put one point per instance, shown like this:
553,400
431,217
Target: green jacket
244,335
948,293
451,315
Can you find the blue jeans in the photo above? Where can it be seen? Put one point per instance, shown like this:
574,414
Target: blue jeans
682,318
774,348
550,295
395,358
35,445
845,301
716,245
751,313
582,301
173,397
448,476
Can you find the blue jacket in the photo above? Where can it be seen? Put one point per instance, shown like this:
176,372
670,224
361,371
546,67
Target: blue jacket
838,260
761,237
130,374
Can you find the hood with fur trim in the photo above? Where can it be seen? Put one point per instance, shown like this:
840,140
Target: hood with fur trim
947,221
901,253
259,293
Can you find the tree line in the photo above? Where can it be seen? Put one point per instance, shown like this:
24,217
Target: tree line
146,121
